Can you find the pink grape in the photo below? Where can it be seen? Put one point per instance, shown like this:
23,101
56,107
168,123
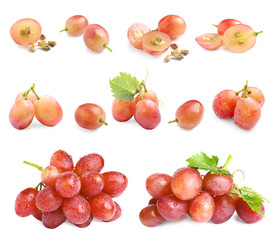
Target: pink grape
68,184
90,162
62,161
49,175
87,223
150,217
122,111
48,199
247,214
172,25
75,25
92,183
256,94
135,34
115,183
209,41
118,213
53,219
225,24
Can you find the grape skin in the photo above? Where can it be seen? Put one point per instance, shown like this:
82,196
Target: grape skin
53,219
25,202
247,214
150,217
92,183
49,175
225,24
68,184
118,213
122,111
256,94
115,183
90,162
62,161
135,34
172,25
75,25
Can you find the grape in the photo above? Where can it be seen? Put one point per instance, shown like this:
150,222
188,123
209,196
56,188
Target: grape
92,183
171,208
87,223
256,94
62,161
75,25
247,214
224,103
49,175
150,217
186,183
217,184
38,215
48,111
122,111
158,185
225,24
90,116
189,114
48,199
155,42
31,96
135,34
172,25
209,41
90,162
153,201
76,209
118,213
147,114
96,38
102,206
21,114
25,32
149,94
53,219
68,184
115,183
25,202
202,207
239,38
225,207
247,113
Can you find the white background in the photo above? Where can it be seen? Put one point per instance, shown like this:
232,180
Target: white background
75,75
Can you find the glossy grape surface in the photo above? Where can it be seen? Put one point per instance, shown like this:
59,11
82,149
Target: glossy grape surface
92,183
90,162
25,202
115,183
118,213
225,24
247,214
172,25
150,217
151,95
122,111
53,219
62,161
158,185
76,24
49,175
256,94
68,184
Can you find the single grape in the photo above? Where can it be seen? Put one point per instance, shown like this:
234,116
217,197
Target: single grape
115,183
239,38
96,38
21,114
155,42
68,184
122,111
209,41
76,209
25,202
256,94
172,25
247,214
48,199
75,25
48,111
102,206
62,161
217,184
149,94
224,103
150,217
25,32
31,96
152,201
90,116
90,162
189,114
159,185
171,208
37,214
225,207
225,24
186,183
202,207
53,219
92,183
118,213
135,34
147,114
87,223
49,175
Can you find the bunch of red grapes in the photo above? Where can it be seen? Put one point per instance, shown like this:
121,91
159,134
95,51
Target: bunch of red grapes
77,193
243,106
28,105
231,33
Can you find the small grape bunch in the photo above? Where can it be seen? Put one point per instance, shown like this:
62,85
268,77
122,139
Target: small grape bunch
231,33
28,105
77,192
243,106
132,98
214,197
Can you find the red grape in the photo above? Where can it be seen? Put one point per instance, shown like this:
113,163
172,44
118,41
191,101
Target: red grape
225,24
115,183
25,202
76,209
53,219
147,114
31,96
171,208
247,214
152,201
49,175
38,215
209,41
48,199
172,25
90,162
62,161
202,207
68,184
158,185
186,183
135,34
150,217
149,94
122,111
118,213
75,25
92,183
87,223
256,94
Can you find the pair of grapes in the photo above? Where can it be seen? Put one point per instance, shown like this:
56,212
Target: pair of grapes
28,105
244,108
234,35
158,41
95,36
77,193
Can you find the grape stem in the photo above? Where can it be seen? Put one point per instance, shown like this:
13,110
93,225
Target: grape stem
245,89
26,93
225,166
32,88
102,121
107,47
215,25
34,165
257,33
175,120
65,29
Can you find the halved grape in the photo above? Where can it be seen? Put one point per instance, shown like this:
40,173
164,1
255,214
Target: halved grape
135,34
209,41
155,42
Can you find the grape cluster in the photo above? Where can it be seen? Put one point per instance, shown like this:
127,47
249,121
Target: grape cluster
77,193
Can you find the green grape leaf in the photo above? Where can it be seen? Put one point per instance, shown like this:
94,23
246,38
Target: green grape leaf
124,87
